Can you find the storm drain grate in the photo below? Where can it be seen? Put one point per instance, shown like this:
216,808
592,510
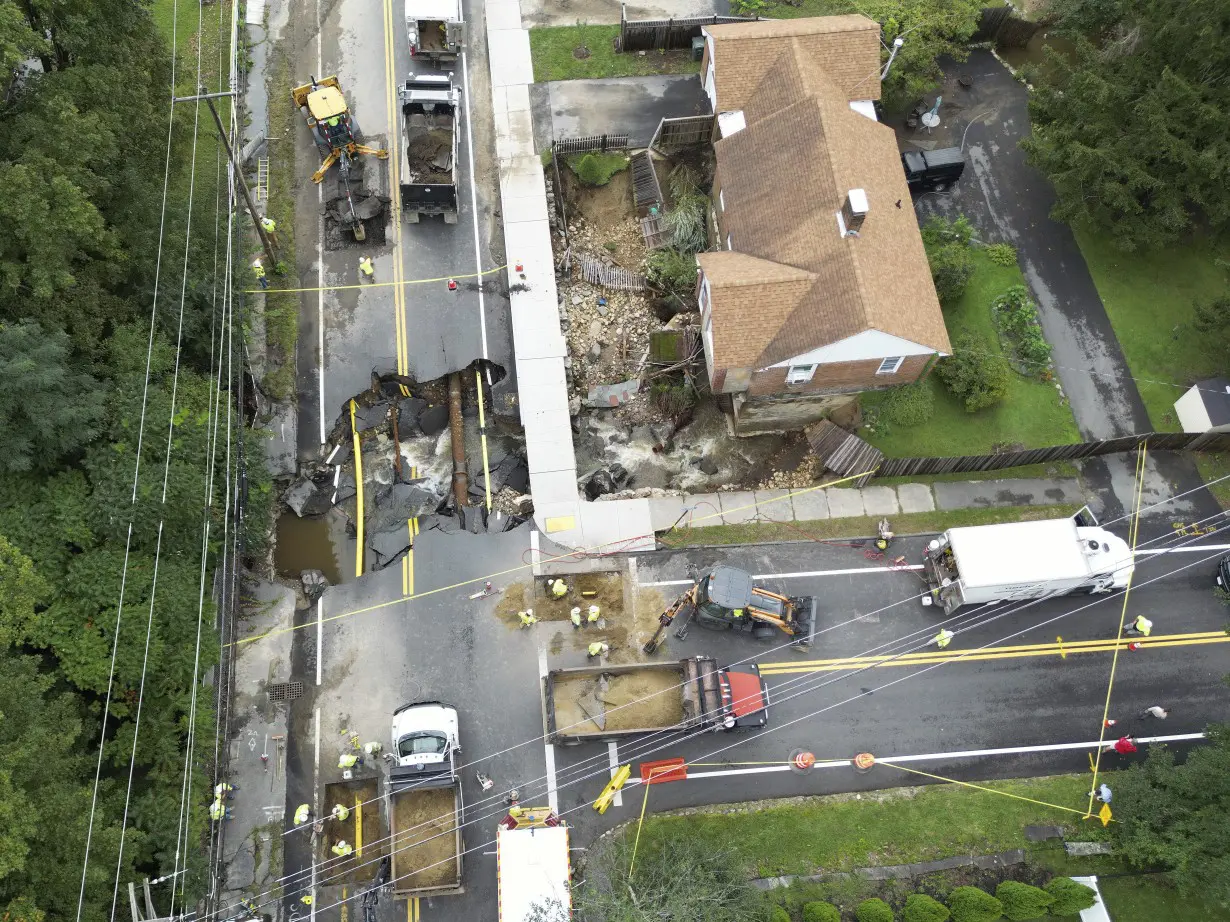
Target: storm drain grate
285,691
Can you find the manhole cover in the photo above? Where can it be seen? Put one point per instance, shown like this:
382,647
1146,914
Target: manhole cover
285,691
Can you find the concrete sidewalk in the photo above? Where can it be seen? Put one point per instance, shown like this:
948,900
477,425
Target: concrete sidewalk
538,342
812,504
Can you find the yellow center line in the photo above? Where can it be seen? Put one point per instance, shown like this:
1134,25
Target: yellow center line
358,481
358,826
1030,650
394,161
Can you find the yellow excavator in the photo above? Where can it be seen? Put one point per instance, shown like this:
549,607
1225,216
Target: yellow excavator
725,599
333,127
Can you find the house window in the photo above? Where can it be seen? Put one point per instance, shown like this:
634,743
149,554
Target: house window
890,366
800,374
722,199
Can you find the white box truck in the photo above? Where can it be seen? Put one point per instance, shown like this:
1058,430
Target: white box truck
1018,561
533,867
425,803
435,29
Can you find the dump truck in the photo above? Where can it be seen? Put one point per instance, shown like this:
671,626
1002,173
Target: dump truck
435,29
424,801
429,107
605,703
1017,561
726,599
533,866
933,170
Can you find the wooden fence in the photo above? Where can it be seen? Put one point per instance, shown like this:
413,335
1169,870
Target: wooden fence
597,142
1156,441
665,34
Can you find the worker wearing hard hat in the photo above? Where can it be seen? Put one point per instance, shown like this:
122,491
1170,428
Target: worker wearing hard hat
557,588
270,227
365,268
341,813
302,814
598,648
527,617
342,849
593,614
575,617
348,760
944,638
259,271
372,749
1141,627
218,810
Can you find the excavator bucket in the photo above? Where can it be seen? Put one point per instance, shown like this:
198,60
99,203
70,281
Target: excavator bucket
804,621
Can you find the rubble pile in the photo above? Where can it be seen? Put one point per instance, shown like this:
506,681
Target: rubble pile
607,334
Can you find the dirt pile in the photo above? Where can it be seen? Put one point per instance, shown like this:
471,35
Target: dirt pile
425,845
632,701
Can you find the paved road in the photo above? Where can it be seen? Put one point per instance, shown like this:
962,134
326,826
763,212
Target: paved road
423,330
1009,201
448,647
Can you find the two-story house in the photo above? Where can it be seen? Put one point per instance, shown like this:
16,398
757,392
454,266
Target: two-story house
820,288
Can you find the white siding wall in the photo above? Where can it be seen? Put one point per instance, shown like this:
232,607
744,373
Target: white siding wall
870,344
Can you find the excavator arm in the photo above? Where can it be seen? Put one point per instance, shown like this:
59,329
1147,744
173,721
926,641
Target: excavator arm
686,601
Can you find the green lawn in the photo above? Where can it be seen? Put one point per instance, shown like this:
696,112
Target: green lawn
897,826
1149,298
1150,898
583,52
909,523
1031,416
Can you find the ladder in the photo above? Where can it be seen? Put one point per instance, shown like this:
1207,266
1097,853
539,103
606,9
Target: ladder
262,179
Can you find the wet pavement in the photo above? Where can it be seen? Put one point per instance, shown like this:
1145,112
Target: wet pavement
427,331
1008,201
633,106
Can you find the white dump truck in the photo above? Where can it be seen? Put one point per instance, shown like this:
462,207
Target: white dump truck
435,29
424,804
533,867
1018,561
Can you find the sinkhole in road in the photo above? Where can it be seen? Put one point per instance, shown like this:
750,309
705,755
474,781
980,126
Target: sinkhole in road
308,544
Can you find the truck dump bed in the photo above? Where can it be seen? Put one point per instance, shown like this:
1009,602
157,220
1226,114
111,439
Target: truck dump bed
429,120
425,822
610,702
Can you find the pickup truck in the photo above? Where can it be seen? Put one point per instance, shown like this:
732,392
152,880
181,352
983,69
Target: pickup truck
605,703
430,104
933,170
425,805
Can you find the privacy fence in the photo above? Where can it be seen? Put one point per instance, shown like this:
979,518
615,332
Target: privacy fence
1156,441
665,34
1002,25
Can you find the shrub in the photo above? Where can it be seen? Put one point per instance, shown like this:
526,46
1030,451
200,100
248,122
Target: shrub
596,168
1017,317
778,914
672,271
821,912
1002,254
951,269
939,231
978,377
1021,901
873,910
921,908
969,904
909,404
1070,896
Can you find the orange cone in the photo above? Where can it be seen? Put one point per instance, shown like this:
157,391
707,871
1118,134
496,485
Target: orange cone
452,284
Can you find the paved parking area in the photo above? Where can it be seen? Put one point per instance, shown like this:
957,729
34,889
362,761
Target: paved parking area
624,105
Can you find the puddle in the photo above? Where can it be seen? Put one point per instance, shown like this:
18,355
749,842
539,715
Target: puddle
307,544
1035,51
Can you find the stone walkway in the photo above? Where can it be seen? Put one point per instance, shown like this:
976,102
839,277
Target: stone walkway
812,504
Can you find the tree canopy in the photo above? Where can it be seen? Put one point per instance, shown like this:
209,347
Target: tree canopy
1133,127
1172,816
83,134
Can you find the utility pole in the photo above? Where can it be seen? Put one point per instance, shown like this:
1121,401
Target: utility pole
238,170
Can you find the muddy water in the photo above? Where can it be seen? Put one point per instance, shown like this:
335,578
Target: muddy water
308,544
1035,52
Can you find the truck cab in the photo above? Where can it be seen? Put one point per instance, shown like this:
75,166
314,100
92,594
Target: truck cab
933,170
425,736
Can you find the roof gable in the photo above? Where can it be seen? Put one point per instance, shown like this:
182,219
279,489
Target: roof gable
847,48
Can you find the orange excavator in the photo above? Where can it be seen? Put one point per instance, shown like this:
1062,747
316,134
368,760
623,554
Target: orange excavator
725,599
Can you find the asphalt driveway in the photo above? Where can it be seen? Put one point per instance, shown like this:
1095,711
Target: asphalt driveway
1008,201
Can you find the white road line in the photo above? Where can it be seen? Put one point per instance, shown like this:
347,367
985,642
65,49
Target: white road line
315,810
936,756
802,575
548,748
320,273
1193,549
612,751
478,253
320,634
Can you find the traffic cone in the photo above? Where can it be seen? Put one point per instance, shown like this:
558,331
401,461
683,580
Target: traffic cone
452,284
519,268
1110,722
1133,646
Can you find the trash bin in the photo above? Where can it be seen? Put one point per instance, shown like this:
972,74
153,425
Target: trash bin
698,48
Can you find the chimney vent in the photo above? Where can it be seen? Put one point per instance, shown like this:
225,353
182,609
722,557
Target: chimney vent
853,212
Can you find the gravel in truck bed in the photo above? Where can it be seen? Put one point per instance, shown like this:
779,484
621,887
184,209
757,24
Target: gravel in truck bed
425,844
593,703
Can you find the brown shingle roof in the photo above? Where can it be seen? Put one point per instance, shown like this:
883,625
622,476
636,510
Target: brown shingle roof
750,299
784,178
846,47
